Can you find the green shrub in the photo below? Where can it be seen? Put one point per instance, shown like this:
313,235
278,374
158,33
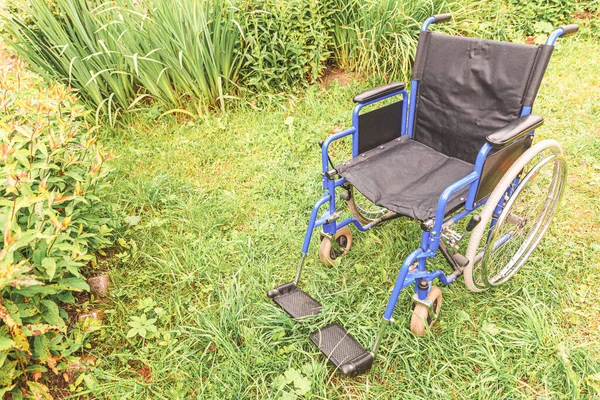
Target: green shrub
379,37
532,17
66,42
541,16
180,53
189,55
184,53
286,44
592,6
514,19
52,176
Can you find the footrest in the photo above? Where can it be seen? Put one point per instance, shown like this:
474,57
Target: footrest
342,350
295,301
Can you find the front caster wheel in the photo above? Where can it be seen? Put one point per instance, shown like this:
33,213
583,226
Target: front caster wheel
422,316
327,253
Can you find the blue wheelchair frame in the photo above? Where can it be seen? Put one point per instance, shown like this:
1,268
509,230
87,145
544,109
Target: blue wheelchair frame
430,240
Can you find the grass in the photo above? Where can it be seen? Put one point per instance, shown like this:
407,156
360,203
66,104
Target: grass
216,209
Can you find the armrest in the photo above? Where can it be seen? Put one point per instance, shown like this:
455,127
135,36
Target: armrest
515,130
325,146
378,92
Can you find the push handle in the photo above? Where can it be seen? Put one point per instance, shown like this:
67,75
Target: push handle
561,31
442,17
435,19
569,29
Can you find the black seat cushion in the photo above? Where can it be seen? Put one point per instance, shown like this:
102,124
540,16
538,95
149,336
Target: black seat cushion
407,177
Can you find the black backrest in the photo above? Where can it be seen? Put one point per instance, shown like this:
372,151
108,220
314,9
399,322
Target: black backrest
469,88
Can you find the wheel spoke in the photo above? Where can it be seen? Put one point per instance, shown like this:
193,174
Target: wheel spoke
363,209
513,227
533,203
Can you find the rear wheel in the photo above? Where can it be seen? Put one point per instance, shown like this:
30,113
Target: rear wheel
516,216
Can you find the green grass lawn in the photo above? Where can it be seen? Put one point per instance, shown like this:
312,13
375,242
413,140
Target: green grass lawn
217,211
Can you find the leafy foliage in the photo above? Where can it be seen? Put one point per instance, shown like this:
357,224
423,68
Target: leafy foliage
183,53
285,45
189,55
142,326
53,172
534,17
379,37
68,42
510,19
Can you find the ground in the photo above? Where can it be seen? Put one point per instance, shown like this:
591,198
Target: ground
217,208
215,215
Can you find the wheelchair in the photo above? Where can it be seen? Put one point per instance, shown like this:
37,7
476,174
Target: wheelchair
457,152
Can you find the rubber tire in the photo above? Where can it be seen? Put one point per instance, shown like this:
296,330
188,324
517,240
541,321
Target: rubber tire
493,200
420,315
325,249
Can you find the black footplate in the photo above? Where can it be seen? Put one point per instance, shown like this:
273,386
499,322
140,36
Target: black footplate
295,301
342,350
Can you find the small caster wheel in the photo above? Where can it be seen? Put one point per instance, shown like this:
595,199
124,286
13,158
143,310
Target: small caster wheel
421,314
327,253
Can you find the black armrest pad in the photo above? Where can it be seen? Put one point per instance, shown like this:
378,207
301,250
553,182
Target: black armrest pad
379,91
515,130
